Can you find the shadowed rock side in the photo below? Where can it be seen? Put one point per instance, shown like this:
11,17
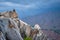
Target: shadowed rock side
2,36
11,28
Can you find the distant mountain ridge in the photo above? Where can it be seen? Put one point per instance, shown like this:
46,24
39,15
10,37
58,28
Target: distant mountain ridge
48,20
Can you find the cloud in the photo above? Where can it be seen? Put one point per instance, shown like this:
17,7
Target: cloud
34,5
10,4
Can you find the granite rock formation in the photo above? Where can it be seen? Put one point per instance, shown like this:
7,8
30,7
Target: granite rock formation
12,28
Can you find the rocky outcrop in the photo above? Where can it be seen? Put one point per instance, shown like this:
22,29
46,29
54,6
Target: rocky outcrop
9,25
14,29
40,35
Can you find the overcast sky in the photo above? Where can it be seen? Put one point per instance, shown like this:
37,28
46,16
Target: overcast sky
27,8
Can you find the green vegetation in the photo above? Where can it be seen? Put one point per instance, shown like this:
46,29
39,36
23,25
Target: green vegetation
27,38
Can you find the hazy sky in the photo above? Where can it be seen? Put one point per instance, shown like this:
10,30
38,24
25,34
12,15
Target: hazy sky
27,8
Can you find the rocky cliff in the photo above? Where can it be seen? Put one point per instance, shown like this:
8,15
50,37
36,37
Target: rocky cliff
12,28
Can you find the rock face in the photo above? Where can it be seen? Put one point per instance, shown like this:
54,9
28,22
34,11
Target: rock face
14,29
40,35
9,30
9,27
24,27
2,36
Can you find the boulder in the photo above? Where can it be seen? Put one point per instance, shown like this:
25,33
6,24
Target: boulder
37,27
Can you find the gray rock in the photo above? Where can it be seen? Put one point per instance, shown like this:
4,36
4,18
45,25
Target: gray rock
25,28
11,32
40,36
2,36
